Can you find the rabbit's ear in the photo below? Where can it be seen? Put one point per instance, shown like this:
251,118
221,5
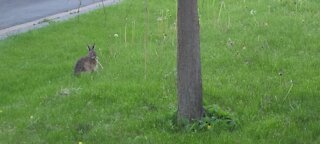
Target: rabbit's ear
93,46
89,47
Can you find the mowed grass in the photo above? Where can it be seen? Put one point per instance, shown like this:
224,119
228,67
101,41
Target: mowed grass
260,61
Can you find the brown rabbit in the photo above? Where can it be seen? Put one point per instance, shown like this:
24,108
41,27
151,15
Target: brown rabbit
88,63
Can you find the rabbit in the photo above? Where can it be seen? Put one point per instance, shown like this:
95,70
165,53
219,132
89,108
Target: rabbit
88,63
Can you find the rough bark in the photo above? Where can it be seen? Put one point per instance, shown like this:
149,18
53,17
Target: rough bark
189,81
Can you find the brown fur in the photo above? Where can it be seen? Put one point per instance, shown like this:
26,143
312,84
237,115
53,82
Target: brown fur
86,64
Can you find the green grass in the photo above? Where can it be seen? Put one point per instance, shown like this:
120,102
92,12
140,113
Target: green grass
260,61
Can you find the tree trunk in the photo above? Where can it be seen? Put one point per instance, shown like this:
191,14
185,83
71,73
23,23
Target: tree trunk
189,81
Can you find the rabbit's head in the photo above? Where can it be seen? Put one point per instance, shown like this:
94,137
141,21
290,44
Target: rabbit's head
92,53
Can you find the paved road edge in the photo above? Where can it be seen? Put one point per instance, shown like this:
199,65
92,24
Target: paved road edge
21,28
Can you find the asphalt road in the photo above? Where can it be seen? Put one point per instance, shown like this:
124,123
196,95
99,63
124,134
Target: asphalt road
14,12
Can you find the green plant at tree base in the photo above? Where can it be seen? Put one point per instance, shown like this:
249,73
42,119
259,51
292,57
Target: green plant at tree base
215,118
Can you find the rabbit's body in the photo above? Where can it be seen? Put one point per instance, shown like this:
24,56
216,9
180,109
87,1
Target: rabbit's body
86,64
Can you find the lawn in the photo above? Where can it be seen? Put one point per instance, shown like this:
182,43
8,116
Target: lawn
260,62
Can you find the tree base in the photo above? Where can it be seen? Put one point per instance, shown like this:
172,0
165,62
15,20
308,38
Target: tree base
214,118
